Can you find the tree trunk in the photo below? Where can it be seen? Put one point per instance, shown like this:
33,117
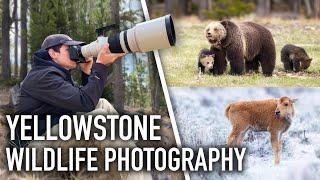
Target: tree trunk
168,6
263,7
6,22
16,35
183,6
203,6
210,5
317,9
118,84
176,7
23,43
149,5
296,6
155,84
308,7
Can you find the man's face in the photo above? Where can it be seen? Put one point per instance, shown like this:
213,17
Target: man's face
63,58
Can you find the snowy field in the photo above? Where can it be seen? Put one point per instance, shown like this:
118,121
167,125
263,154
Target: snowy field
200,118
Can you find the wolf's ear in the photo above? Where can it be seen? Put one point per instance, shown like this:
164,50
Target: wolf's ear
294,100
213,55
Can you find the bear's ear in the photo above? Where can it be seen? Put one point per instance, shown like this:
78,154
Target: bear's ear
213,55
228,25
225,23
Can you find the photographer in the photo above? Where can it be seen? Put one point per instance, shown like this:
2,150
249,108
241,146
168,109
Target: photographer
48,88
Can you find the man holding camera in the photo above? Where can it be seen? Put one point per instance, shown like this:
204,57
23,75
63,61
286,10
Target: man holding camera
48,88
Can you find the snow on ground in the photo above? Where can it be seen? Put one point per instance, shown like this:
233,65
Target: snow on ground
201,122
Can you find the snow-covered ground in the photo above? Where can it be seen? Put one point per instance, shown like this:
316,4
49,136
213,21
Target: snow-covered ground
200,118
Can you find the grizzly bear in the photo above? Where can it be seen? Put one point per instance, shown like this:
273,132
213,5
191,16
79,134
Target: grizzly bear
247,45
205,61
294,58
212,61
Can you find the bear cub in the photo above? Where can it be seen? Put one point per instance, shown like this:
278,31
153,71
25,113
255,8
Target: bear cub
212,61
294,58
205,61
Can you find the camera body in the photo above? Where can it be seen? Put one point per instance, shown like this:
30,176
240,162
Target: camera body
75,54
144,37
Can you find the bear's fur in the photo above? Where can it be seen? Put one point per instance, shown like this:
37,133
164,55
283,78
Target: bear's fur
212,60
205,61
220,61
247,45
294,58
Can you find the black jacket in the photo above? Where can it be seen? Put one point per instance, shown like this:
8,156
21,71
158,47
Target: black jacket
49,89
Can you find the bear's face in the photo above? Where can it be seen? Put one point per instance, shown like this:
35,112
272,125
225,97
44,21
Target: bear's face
207,61
215,33
302,57
305,63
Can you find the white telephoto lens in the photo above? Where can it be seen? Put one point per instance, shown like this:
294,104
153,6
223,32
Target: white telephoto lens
144,37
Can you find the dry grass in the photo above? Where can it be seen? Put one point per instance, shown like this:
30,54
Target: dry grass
180,65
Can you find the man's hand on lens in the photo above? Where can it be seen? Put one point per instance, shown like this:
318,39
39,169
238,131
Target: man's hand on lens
106,57
86,67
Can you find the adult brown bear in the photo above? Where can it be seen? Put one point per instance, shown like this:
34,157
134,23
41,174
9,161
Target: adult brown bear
247,45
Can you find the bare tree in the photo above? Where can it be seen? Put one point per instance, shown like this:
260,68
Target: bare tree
177,7
149,5
16,35
308,7
118,83
155,84
6,23
183,6
203,6
317,9
263,7
167,6
24,42
295,6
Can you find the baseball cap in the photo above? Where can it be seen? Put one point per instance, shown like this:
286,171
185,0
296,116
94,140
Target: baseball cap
57,39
